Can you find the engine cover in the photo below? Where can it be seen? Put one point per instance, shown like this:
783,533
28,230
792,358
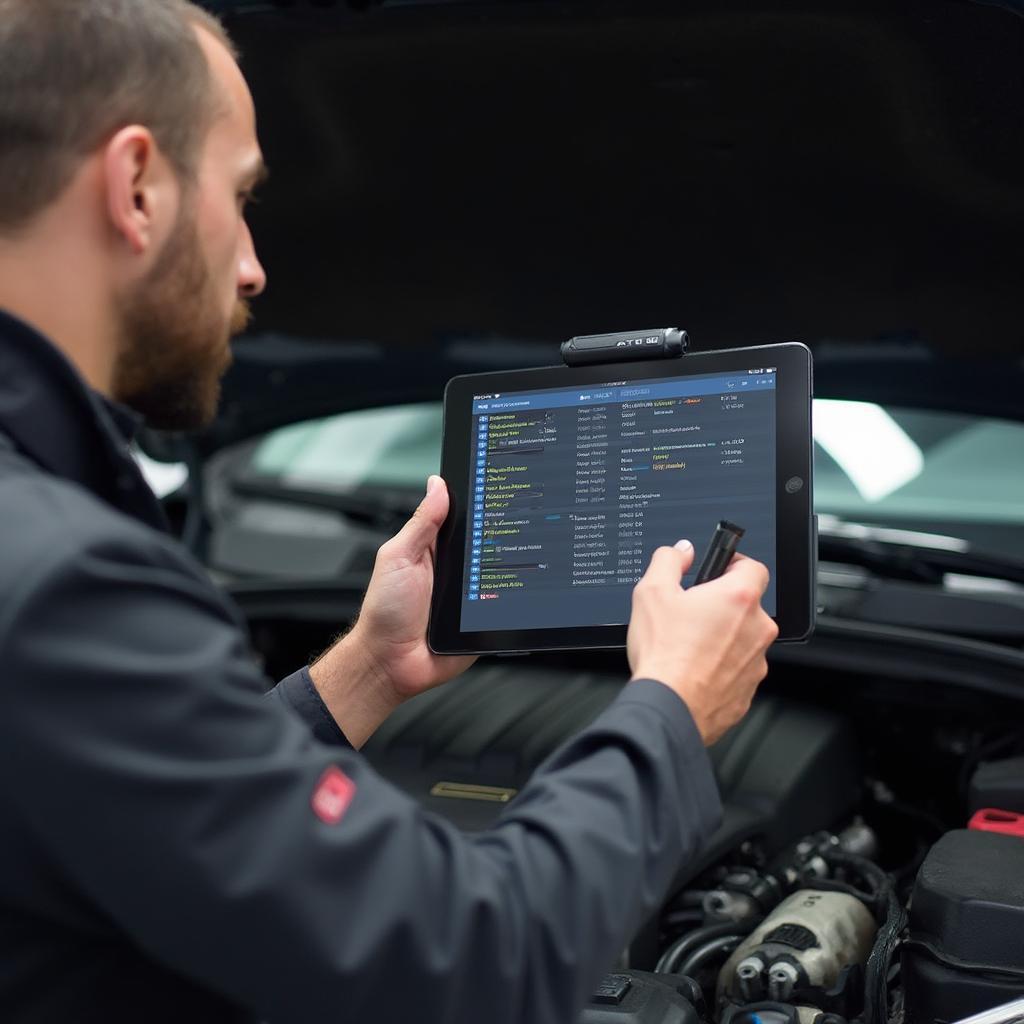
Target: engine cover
465,749
966,926
637,997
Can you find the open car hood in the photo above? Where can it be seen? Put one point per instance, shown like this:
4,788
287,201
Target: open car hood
463,185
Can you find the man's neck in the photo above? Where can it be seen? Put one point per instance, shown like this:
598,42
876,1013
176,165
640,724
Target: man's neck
50,285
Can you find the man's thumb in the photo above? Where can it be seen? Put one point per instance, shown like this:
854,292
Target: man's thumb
421,530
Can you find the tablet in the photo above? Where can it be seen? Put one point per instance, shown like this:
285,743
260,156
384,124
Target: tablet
563,480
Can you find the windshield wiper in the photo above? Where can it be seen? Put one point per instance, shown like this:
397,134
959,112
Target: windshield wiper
910,555
384,509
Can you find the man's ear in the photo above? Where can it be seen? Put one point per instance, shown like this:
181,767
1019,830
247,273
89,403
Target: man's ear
141,189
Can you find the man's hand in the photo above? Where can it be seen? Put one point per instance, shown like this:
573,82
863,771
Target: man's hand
707,643
384,660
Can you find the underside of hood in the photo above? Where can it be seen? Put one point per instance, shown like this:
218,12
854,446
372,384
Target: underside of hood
751,171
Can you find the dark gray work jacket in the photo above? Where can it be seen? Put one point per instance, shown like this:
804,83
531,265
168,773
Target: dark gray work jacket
175,845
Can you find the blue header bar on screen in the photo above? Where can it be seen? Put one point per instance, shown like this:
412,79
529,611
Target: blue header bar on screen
640,391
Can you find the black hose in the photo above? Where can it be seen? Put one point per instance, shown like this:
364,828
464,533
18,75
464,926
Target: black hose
868,870
876,974
683,947
879,883
686,899
892,920
681,920
699,957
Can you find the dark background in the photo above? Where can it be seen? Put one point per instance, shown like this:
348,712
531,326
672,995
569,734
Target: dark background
750,171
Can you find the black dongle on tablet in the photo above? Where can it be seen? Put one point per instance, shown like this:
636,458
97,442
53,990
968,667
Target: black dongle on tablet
720,551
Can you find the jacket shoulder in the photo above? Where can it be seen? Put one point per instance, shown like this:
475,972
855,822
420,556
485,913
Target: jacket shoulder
49,522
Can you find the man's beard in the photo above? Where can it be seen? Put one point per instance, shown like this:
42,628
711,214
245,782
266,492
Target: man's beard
175,341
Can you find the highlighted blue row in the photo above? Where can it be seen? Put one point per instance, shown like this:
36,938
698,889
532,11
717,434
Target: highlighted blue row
639,391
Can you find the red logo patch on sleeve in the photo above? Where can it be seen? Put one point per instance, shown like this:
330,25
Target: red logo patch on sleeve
333,794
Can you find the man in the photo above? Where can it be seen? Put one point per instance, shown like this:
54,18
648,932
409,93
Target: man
175,845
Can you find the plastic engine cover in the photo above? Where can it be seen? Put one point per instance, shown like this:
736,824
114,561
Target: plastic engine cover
638,997
464,749
965,953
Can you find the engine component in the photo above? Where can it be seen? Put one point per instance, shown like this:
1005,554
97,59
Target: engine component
990,819
786,770
858,840
966,923
778,1013
998,784
637,997
723,905
745,895
699,943
805,943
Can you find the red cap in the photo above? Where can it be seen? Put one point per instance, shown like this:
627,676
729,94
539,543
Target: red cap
991,819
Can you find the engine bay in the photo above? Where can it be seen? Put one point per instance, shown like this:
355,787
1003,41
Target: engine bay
843,884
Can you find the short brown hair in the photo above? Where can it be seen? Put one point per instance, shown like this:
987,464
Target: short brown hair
73,72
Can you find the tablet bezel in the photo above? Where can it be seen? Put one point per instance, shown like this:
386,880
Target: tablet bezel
793,503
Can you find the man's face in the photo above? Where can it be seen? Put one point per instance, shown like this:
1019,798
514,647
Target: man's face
177,322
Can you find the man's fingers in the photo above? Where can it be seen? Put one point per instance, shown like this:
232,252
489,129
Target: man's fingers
669,564
420,532
750,569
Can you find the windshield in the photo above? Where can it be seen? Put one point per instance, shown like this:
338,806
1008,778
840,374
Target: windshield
940,472
930,471
395,447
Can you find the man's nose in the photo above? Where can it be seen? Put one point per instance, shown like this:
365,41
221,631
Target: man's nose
252,278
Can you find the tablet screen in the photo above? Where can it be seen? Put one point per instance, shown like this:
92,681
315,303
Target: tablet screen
572,489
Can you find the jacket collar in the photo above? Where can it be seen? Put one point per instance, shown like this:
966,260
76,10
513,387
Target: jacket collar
56,420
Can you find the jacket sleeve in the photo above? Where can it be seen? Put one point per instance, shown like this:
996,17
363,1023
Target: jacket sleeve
298,693
230,844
